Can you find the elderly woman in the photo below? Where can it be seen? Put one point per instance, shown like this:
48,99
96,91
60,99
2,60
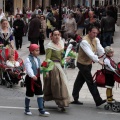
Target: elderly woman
70,26
6,38
55,84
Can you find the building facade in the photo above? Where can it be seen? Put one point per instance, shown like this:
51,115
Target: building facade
11,5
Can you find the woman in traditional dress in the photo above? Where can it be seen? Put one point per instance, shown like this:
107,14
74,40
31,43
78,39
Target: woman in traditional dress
6,37
55,83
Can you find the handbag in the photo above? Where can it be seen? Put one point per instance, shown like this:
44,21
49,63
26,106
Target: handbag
117,74
99,77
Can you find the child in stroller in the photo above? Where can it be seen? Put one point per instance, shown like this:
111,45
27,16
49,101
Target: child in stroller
73,39
12,68
111,70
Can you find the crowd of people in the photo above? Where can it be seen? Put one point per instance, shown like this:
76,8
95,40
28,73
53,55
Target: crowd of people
95,25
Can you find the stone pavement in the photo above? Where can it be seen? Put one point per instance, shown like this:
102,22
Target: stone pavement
72,73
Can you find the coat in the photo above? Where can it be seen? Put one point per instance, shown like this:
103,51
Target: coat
18,32
34,28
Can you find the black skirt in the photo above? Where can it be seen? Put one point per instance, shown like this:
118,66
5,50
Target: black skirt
109,79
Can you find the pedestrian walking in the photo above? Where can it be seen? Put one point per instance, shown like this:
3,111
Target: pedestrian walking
107,29
89,46
33,81
55,83
18,26
34,29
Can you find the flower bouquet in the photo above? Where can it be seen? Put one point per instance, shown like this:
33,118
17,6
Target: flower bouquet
47,66
72,54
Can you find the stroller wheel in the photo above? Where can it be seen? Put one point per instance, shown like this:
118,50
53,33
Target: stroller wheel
107,107
22,84
116,107
8,84
11,85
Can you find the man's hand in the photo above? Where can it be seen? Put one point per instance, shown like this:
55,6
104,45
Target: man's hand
34,78
16,27
100,62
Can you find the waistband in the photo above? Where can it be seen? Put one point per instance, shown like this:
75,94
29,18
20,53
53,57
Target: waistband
56,60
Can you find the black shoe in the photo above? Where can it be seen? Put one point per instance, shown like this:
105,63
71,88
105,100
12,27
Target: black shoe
77,102
100,103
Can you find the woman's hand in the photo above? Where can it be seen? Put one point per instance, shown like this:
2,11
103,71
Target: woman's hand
100,62
67,59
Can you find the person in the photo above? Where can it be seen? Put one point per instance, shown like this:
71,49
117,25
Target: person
18,11
32,80
6,37
91,21
42,34
109,73
107,29
11,61
29,13
18,26
80,22
34,29
2,15
15,70
51,22
70,26
89,46
55,83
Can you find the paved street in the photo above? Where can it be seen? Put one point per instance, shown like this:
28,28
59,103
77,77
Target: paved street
12,99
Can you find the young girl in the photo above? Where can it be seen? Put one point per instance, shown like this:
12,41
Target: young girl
32,80
11,61
110,66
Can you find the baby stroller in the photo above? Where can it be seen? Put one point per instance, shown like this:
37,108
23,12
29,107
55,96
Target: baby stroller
73,39
10,75
99,79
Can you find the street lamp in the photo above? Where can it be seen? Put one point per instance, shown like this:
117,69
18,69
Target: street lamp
60,15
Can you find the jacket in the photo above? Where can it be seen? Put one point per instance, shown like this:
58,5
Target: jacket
107,24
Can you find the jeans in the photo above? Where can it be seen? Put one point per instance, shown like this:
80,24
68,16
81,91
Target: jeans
106,40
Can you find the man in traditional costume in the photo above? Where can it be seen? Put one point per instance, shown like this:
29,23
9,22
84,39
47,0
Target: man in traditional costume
90,49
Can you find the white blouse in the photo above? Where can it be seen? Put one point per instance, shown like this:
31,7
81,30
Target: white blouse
108,65
11,64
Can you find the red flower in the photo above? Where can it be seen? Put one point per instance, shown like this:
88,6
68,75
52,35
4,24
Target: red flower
44,64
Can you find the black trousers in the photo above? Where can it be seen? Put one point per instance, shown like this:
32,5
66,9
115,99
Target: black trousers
83,76
33,89
48,31
42,49
18,41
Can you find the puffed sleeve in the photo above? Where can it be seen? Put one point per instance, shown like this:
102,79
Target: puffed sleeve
48,53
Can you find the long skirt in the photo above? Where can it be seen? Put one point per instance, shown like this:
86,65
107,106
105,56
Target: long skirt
56,87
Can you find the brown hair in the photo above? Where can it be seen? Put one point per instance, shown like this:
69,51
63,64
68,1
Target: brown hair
3,20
